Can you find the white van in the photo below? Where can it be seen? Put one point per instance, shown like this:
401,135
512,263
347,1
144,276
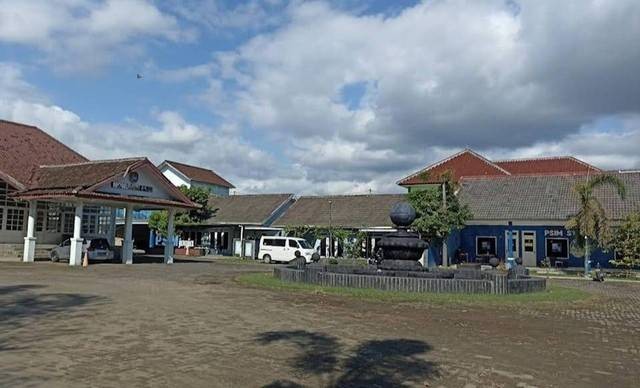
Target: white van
283,249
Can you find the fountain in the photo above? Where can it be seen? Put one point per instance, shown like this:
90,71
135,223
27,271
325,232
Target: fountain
398,268
401,250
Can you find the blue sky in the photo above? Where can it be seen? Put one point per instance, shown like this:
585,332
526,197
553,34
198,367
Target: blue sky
325,97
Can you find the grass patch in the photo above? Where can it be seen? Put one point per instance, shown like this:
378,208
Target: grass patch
235,260
554,293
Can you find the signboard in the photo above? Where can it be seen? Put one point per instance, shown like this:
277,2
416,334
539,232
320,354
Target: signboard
186,244
136,184
558,233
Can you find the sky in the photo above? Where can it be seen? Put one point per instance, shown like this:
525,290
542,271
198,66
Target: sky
319,97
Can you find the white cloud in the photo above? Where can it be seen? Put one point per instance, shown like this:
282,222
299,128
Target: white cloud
85,35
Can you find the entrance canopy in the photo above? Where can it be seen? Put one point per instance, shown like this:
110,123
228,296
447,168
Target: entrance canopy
133,183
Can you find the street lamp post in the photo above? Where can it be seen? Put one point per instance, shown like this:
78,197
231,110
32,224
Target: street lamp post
330,229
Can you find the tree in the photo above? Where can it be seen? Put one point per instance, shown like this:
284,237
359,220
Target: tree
627,243
590,225
437,218
158,220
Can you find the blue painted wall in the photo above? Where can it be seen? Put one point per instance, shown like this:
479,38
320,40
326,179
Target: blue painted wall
467,242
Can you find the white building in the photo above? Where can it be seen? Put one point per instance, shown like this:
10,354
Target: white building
192,176
48,193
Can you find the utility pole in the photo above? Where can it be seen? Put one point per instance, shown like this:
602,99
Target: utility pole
330,230
587,257
445,251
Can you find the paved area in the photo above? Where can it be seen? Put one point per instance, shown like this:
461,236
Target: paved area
192,325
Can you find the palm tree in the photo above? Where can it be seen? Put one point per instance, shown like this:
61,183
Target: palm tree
590,224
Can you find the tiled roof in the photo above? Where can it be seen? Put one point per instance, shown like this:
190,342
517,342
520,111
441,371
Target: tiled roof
81,179
199,174
468,163
253,209
80,176
559,164
542,197
464,163
23,148
348,211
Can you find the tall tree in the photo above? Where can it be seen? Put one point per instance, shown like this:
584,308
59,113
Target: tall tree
590,225
438,215
627,243
158,219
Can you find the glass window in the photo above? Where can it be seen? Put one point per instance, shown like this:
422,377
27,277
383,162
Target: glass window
558,248
304,244
15,219
67,228
293,244
53,218
267,242
1,216
485,246
279,242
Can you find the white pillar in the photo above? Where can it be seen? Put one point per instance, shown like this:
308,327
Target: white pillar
75,256
30,239
127,245
168,245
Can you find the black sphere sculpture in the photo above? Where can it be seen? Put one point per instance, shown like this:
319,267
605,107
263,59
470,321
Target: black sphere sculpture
401,250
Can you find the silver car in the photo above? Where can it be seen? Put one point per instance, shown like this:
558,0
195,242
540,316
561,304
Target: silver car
97,248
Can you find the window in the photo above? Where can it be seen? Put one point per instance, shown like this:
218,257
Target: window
267,242
293,244
1,216
15,219
485,246
5,199
557,248
40,216
67,227
279,242
53,218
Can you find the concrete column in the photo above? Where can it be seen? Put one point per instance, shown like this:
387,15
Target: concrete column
75,250
127,245
169,244
112,227
30,240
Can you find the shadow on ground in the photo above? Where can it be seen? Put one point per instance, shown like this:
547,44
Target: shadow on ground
25,305
378,363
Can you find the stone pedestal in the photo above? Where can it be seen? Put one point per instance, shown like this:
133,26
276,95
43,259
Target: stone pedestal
75,251
29,249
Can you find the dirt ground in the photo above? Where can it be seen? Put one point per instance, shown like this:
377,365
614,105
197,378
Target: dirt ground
192,325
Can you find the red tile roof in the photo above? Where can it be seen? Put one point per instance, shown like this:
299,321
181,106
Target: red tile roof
470,164
464,163
199,174
551,165
24,147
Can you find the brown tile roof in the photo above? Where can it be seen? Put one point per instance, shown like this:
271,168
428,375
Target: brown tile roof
254,209
200,174
81,176
81,179
23,148
464,163
550,165
347,211
542,197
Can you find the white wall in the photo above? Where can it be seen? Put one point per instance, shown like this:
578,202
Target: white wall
174,177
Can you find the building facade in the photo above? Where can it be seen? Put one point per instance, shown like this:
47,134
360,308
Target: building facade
181,174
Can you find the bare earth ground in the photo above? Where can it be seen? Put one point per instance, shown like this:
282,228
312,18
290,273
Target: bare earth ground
191,324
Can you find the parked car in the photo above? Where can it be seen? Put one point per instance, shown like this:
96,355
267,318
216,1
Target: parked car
97,248
283,249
